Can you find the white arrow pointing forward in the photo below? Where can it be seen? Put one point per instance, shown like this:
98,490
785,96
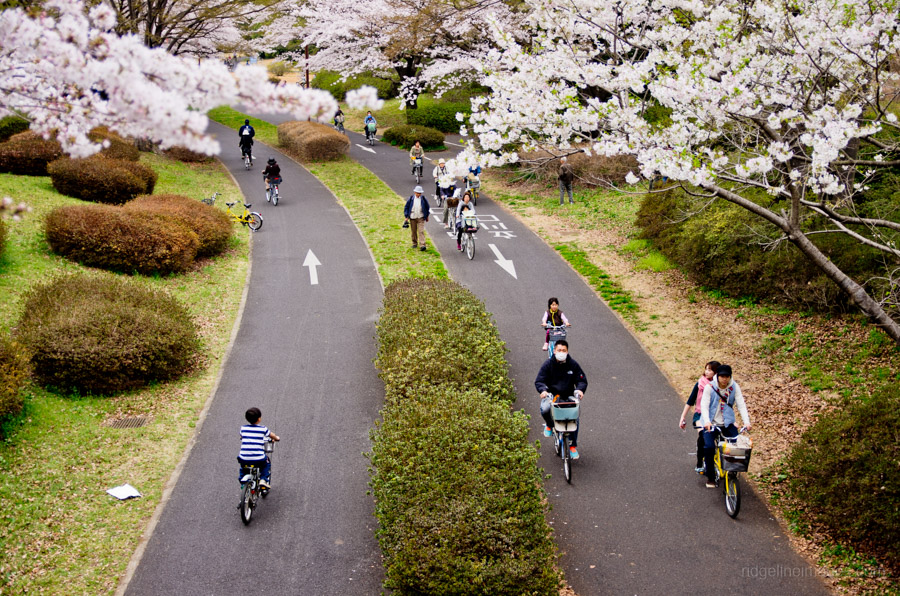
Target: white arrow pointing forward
503,261
312,262
370,150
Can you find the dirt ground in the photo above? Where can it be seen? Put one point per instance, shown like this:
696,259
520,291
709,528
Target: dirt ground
682,329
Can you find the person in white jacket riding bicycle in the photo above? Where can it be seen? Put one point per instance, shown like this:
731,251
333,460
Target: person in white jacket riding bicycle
717,415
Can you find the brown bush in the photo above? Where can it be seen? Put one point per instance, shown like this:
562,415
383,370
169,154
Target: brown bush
121,240
13,373
105,334
186,155
212,226
590,171
311,141
119,147
102,180
27,154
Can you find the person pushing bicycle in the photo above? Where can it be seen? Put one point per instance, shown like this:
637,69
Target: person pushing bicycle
253,440
717,415
560,377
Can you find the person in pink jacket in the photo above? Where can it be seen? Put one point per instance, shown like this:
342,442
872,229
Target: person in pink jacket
705,379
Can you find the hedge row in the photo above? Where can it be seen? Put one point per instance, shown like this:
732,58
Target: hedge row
102,180
312,141
330,81
721,248
187,155
441,116
845,470
28,154
13,372
406,136
591,171
105,334
11,125
458,494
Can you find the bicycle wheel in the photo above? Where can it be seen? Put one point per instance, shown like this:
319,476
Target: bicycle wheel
567,459
275,197
732,494
470,246
255,221
268,195
474,198
247,502
556,442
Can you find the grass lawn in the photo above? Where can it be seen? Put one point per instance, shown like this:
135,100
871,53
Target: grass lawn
389,115
265,132
59,532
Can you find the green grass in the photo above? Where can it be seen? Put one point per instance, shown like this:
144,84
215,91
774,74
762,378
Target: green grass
265,131
59,532
614,294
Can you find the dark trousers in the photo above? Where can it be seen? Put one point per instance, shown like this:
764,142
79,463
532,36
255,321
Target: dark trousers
265,472
709,447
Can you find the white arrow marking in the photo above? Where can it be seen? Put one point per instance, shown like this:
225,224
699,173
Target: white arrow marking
503,261
312,262
365,148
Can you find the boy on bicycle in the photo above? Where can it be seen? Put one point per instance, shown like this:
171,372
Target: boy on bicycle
717,415
253,452
272,173
560,376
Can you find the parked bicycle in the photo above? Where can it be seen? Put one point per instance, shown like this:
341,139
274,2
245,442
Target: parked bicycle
469,227
272,190
251,490
556,333
211,200
251,219
732,456
417,168
565,422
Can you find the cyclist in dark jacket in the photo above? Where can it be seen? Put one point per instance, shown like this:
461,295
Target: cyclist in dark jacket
561,376
272,172
246,134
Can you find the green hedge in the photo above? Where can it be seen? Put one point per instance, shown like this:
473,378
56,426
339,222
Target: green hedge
105,334
330,81
458,494
406,136
846,471
440,116
13,373
11,125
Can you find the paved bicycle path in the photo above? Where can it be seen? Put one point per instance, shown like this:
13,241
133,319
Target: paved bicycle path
636,518
303,354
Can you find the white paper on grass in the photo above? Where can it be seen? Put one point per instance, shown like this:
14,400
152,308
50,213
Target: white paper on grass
126,491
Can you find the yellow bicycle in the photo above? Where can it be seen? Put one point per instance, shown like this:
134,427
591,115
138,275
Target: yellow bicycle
251,219
732,456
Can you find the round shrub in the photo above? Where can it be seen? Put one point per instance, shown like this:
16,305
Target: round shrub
212,226
105,334
406,136
11,125
441,116
312,141
13,372
118,147
115,239
102,180
27,154
186,155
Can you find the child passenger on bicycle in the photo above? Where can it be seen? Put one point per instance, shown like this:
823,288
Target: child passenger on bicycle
553,317
253,452
717,412
463,209
692,402
272,173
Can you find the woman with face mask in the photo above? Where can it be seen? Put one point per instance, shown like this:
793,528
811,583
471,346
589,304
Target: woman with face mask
560,377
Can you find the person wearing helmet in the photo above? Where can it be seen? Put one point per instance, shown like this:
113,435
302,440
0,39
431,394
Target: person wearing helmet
246,134
272,173
416,213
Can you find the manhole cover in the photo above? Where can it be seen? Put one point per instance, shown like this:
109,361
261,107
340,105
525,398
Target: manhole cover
128,422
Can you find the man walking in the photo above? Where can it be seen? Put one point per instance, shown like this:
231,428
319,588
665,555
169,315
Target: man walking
566,176
416,213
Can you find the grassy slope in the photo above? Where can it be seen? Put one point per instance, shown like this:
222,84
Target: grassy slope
59,531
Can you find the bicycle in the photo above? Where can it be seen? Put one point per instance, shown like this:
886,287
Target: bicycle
417,168
251,219
565,422
250,486
473,183
339,124
272,190
248,158
370,133
557,332
730,459
211,200
469,227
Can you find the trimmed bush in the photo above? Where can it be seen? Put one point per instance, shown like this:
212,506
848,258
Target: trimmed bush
459,512
845,470
129,241
186,155
278,69
119,148
441,116
11,125
27,154
590,171
212,226
13,373
406,136
330,81
312,141
105,334
102,180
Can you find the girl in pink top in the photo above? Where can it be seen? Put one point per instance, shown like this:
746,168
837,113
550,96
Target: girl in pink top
705,379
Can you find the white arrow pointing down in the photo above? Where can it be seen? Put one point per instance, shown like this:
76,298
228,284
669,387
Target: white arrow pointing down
503,261
312,262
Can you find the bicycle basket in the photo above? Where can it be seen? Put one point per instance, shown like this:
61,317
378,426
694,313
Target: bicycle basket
736,463
565,411
371,127
470,223
474,182
558,334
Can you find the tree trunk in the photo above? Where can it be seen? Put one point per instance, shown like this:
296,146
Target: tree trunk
408,70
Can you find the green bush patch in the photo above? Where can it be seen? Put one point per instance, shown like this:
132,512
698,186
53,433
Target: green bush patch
332,81
103,335
10,125
440,116
406,136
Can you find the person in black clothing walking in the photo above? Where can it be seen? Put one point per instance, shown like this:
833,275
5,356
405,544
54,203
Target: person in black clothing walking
561,377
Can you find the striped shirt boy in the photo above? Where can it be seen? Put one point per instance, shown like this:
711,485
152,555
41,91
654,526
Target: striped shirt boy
253,438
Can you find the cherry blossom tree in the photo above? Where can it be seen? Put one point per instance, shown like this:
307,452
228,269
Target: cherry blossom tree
67,72
790,101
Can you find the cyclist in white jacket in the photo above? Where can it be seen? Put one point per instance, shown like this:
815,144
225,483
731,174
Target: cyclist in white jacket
717,415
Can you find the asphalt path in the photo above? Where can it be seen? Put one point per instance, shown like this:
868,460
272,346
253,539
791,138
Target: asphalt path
636,519
303,355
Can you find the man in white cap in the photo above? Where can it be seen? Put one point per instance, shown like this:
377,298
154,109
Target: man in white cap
416,213
443,181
